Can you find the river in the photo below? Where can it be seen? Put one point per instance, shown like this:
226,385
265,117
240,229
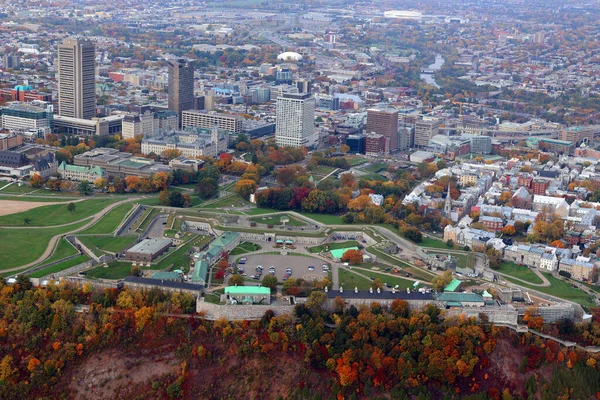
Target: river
439,61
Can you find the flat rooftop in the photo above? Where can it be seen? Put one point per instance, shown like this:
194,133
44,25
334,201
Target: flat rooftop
150,246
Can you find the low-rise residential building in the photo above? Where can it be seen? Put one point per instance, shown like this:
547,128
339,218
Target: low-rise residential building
493,224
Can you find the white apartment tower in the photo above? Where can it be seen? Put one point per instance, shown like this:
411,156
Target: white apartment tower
77,79
295,120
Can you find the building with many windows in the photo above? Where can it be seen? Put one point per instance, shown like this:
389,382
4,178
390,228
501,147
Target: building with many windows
77,79
105,126
295,120
425,130
19,116
191,142
139,124
181,86
384,122
203,119
77,173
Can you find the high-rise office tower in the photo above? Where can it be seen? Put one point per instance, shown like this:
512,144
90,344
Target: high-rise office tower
77,79
425,130
181,86
295,120
383,122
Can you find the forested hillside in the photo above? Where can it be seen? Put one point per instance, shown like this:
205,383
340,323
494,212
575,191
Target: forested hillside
135,345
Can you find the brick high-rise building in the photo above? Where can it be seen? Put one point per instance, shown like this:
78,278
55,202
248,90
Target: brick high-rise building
181,86
383,122
77,79
539,186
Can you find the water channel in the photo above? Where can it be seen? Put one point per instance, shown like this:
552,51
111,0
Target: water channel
428,77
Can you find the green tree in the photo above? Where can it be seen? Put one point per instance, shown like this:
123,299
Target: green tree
84,188
207,188
270,281
71,207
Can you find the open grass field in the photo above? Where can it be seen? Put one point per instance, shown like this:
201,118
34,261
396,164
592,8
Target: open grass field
116,270
333,246
520,272
111,221
63,249
389,279
33,199
60,267
355,160
374,168
244,247
179,258
349,281
323,170
110,244
276,220
429,242
57,214
228,201
327,219
560,289
374,177
22,246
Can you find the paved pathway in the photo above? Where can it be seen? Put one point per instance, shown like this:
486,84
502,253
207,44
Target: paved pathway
52,242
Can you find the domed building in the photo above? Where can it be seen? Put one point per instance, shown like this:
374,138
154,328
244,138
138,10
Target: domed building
289,56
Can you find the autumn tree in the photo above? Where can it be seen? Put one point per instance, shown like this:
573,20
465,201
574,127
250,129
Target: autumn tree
441,281
352,256
377,284
236,280
171,154
37,181
269,281
509,230
245,188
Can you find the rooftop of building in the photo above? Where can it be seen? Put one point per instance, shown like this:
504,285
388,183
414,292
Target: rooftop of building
150,246
248,290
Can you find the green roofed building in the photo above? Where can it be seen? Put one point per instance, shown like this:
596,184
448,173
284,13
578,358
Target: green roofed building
461,299
453,286
200,272
78,173
247,295
338,253
167,276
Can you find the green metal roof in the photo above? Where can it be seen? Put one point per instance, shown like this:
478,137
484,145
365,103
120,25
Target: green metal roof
453,304
225,239
200,271
77,168
338,253
248,290
452,286
461,297
166,275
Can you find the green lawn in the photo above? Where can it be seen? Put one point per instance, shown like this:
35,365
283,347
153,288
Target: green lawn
326,219
334,246
56,214
145,219
63,249
429,242
116,270
110,244
375,168
60,267
15,188
390,280
374,177
33,199
227,202
276,220
349,281
323,170
355,160
111,221
22,246
415,271
520,272
594,288
244,247
179,258
560,289
152,201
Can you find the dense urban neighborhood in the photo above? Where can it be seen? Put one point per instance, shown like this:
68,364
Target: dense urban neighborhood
264,199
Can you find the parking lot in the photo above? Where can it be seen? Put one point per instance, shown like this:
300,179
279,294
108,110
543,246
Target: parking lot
298,264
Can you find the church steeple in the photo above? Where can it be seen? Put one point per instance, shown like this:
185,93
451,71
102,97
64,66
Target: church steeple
448,203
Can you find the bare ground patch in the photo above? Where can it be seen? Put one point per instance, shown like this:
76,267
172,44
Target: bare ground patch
12,207
114,374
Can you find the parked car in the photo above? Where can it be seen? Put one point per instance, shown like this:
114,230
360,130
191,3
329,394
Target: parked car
311,267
